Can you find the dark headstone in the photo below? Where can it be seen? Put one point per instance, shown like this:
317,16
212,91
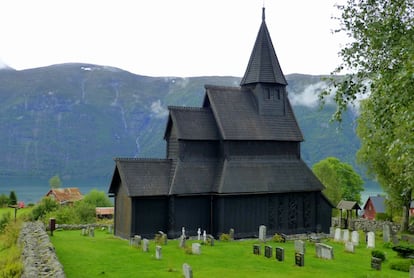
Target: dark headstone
256,249
376,263
280,254
299,259
268,251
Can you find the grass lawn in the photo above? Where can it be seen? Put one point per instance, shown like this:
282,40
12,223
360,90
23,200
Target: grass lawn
107,256
20,212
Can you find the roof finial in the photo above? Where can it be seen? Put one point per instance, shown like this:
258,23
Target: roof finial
263,13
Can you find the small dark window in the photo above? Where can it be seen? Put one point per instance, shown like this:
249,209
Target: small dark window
269,94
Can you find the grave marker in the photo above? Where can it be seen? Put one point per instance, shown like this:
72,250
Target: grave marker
324,251
371,240
158,255
268,251
187,271
182,241
196,248
145,245
280,254
256,249
345,236
349,247
300,246
337,236
231,234
386,232
262,233
376,263
355,238
299,259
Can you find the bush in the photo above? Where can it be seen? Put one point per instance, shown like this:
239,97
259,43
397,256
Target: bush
46,205
85,211
378,254
383,217
225,237
278,238
404,250
4,220
401,265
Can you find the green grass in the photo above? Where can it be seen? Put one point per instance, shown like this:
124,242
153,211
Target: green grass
107,256
20,212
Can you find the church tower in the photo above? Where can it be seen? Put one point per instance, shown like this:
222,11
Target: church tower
264,75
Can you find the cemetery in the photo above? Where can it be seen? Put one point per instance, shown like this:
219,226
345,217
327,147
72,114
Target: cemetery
108,256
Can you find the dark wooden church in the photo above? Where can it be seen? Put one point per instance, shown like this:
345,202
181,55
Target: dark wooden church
234,163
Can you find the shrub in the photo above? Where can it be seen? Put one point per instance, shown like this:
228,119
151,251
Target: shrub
10,265
225,237
4,220
383,216
278,238
378,254
46,205
401,265
404,250
85,211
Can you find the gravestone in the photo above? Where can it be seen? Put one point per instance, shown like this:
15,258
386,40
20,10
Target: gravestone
91,231
205,236
268,251
145,245
376,263
110,228
196,248
299,259
137,240
331,232
324,251
182,241
183,232
83,232
386,233
211,240
187,271
256,249
337,236
355,238
300,246
280,254
345,235
199,234
349,247
370,240
262,233
231,234
158,255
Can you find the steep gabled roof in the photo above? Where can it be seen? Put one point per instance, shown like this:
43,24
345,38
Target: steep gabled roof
142,177
64,195
236,115
378,202
271,176
193,177
263,65
192,123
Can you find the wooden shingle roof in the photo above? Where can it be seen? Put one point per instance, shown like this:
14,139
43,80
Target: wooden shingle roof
237,118
348,205
65,195
193,123
142,177
272,176
263,66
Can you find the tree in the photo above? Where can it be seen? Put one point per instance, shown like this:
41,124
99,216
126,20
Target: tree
55,182
4,200
340,180
97,199
379,63
12,198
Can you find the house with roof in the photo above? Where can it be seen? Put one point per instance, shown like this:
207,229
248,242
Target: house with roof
234,163
373,205
65,196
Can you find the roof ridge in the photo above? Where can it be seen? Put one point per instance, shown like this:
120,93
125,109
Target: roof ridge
141,159
186,108
221,87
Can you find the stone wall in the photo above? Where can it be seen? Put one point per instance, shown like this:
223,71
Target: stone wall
367,225
38,254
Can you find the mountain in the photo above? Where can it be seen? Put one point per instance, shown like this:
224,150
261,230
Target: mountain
73,119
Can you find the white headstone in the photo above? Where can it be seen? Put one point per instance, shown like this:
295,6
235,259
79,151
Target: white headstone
300,246
204,236
187,271
324,251
386,233
158,255
349,247
371,240
145,245
345,236
262,233
337,234
198,234
183,231
196,248
355,238
182,242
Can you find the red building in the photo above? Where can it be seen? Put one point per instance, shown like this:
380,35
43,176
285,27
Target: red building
374,205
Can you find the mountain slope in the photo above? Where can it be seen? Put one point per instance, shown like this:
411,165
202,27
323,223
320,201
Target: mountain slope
72,119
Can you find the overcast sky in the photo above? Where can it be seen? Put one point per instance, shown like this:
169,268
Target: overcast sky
168,37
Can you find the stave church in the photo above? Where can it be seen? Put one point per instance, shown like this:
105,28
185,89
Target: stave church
234,163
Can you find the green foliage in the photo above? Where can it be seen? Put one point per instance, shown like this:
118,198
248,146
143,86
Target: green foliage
278,238
382,216
340,180
85,212
378,254
4,200
45,206
379,61
225,237
404,250
4,220
97,198
401,265
12,198
10,265
55,182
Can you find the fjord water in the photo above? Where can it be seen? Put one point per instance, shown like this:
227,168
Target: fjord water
31,190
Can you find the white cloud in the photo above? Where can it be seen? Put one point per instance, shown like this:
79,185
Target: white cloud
309,96
157,109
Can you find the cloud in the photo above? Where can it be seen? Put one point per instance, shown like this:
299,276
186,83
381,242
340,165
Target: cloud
157,110
309,96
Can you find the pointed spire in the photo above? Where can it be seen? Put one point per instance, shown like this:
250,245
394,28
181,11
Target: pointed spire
263,65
